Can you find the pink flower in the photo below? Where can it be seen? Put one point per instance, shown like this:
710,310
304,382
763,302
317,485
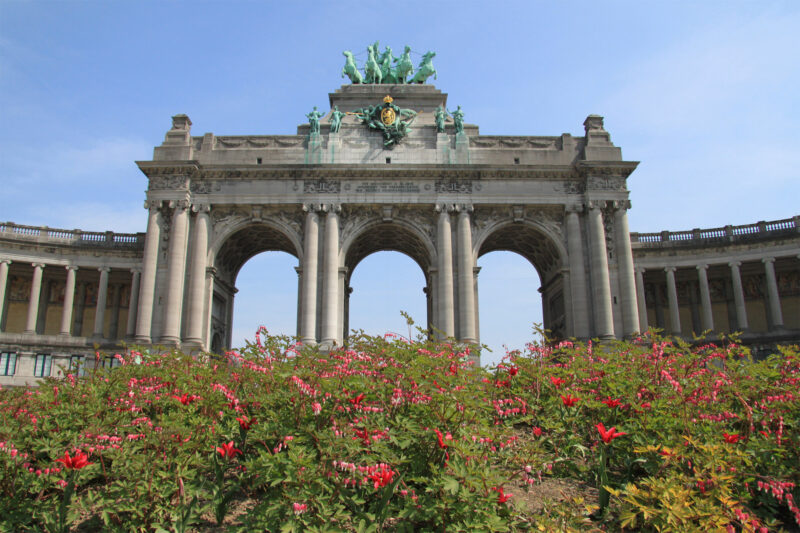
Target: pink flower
227,450
608,435
299,508
382,477
537,431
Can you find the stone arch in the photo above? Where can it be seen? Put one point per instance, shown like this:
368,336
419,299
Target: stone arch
377,235
230,249
545,252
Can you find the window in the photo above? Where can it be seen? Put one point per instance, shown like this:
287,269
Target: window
8,363
77,365
41,368
110,362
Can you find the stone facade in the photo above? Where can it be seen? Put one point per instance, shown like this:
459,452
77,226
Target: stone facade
333,198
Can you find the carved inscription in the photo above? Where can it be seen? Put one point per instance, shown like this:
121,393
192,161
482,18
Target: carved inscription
463,187
322,186
387,187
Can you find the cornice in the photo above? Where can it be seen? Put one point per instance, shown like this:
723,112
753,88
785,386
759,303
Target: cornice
606,168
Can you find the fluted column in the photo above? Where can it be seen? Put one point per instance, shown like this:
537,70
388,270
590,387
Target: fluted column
33,303
144,317
197,277
738,296
641,299
466,285
772,293
133,303
176,274
601,285
672,298
705,298
330,279
577,278
627,283
3,283
69,298
102,297
310,268
445,304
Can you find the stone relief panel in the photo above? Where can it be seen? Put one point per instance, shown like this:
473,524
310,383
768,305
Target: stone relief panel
605,183
788,283
168,182
322,186
453,186
205,186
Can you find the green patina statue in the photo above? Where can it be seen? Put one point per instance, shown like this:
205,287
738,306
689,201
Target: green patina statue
393,122
458,119
313,120
440,115
336,119
386,68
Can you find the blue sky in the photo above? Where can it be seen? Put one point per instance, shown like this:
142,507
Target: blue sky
704,94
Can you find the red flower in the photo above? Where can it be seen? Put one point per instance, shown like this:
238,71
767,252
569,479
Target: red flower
608,435
513,371
77,462
441,438
537,431
356,400
382,477
557,382
502,497
246,423
732,438
569,400
185,399
612,403
227,450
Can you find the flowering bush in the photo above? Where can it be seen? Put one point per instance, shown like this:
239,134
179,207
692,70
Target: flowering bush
387,434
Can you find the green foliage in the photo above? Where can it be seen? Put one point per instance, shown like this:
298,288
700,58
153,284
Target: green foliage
397,435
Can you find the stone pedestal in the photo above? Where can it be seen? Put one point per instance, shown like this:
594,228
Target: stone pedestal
314,150
334,146
462,149
443,147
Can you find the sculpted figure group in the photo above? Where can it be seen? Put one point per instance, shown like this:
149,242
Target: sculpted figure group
388,69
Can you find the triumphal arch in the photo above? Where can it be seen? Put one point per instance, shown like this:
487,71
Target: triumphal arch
391,165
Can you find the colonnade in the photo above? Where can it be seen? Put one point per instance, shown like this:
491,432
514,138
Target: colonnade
773,299
71,325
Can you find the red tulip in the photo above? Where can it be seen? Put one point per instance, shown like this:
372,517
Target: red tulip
77,462
227,450
608,435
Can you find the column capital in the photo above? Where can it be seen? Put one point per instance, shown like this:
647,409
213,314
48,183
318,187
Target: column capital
593,205
574,208
38,265
312,208
71,267
136,270
768,260
670,269
639,269
104,269
444,208
179,204
464,209
733,264
621,205
331,209
5,261
152,204
702,266
201,209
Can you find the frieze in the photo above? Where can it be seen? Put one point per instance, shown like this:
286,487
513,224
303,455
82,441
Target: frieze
387,187
233,143
205,187
322,186
453,186
512,142
606,183
167,182
572,187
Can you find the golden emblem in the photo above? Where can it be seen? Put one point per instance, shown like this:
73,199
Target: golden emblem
388,116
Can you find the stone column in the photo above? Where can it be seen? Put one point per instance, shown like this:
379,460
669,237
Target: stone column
144,316
113,323
772,293
176,274
308,292
672,299
627,283
445,304
466,285
330,279
3,282
601,285
102,296
577,271
738,295
33,303
705,298
641,298
197,277
80,307
133,303
69,296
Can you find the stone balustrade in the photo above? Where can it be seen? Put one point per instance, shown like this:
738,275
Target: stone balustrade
726,234
75,237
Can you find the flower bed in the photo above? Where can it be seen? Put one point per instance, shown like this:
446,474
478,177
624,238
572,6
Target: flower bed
407,436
